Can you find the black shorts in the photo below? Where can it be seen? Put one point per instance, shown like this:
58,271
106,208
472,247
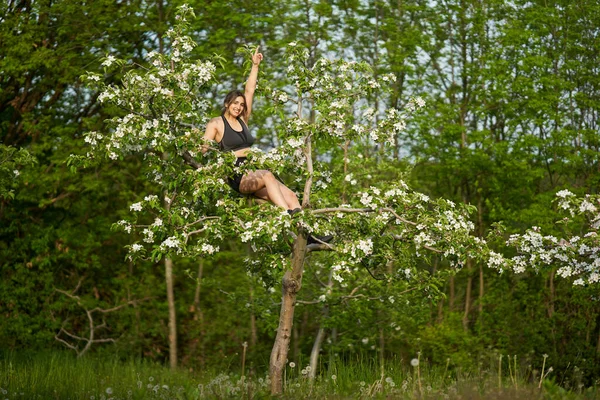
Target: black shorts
235,180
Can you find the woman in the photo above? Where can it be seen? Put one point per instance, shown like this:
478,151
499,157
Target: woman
230,131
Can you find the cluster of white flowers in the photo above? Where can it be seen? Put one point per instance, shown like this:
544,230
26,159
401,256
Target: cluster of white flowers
126,225
295,142
367,200
171,242
209,249
136,247
148,235
496,261
586,206
92,138
269,228
423,239
350,178
157,222
338,269
109,60
358,250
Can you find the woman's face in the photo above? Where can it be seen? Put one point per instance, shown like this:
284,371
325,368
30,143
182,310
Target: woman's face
236,107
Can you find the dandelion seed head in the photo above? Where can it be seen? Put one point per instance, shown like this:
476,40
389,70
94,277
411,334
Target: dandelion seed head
414,362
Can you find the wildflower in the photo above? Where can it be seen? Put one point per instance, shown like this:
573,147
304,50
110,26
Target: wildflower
136,207
414,362
292,364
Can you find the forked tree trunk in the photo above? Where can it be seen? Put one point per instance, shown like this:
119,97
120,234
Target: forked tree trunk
292,281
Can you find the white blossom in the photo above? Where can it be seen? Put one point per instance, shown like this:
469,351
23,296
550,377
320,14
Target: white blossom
109,60
157,222
171,242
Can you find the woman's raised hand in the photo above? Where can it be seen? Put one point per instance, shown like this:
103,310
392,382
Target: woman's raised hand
257,57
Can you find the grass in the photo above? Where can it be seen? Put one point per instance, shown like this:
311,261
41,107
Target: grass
59,375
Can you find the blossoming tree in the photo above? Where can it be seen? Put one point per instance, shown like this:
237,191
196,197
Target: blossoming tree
576,255
164,110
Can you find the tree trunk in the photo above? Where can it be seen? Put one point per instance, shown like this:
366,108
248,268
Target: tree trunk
198,315
314,354
481,290
465,319
172,314
291,283
316,349
253,329
552,295
452,294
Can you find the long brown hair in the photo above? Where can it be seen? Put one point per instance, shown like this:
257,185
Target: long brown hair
231,96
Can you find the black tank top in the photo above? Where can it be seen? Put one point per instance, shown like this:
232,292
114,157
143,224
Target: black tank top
234,140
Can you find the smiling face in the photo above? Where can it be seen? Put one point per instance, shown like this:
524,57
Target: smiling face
236,107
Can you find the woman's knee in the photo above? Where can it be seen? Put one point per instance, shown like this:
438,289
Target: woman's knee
267,176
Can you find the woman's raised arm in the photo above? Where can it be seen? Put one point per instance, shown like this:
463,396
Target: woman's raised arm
251,82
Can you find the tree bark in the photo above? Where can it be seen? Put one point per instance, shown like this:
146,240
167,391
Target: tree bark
314,354
451,296
172,314
316,349
481,290
465,319
292,281
552,295
198,316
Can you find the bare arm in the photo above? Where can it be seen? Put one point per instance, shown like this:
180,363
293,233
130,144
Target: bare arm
251,82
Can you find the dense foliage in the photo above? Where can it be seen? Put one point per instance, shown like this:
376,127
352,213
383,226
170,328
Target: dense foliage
512,102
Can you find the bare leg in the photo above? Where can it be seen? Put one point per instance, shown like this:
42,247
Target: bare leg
255,181
290,197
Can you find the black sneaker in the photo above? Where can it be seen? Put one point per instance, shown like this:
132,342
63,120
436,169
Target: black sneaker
294,211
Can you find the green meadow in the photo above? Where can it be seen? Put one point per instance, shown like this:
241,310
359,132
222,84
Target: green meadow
60,375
